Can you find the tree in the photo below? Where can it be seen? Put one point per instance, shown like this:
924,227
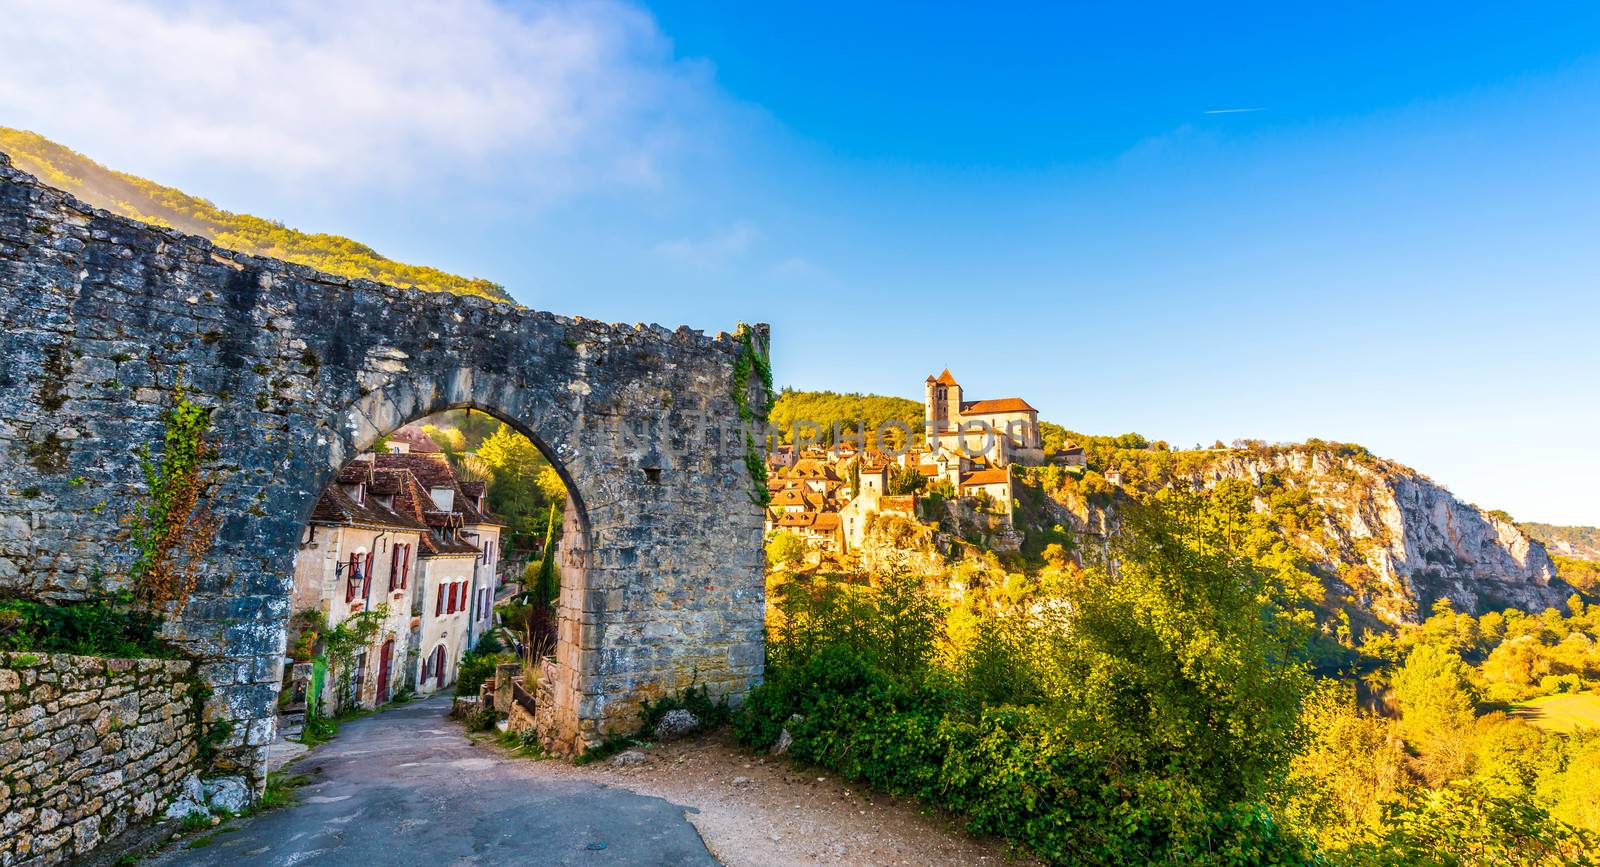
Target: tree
523,486
785,549
1462,824
1352,764
1438,710
1179,663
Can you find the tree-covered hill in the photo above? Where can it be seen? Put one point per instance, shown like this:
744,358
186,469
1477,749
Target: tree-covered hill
1578,543
143,200
848,410
1575,550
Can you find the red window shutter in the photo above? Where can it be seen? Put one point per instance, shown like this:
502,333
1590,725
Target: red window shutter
352,575
394,567
405,567
438,607
453,604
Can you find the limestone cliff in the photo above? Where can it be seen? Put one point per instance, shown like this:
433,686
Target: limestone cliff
1416,538
1387,540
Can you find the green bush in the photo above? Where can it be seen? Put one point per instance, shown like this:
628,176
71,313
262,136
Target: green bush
696,700
478,667
1018,772
107,624
1143,716
482,719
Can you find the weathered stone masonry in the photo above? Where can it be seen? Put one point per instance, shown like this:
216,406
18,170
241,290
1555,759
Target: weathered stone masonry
101,316
88,748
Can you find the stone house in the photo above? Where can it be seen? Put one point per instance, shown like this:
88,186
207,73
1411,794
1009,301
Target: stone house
359,553
398,533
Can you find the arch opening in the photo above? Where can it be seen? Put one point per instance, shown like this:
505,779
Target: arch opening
439,552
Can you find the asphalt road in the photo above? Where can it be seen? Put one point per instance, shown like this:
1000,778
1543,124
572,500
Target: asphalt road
406,787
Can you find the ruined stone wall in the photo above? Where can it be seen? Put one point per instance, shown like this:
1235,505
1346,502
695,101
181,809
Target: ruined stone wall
89,747
101,317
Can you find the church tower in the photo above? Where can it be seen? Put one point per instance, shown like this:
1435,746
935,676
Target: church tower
943,401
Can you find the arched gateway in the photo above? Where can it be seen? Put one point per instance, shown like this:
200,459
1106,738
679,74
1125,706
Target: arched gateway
101,316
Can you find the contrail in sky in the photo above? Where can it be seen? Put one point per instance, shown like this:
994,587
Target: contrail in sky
1231,110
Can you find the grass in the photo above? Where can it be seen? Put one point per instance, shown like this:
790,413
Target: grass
194,822
319,730
1564,712
608,748
280,791
515,742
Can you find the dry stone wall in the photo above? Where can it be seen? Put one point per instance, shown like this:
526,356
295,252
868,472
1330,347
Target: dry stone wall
89,747
102,317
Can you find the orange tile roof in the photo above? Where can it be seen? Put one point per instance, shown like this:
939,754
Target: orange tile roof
999,404
995,476
946,379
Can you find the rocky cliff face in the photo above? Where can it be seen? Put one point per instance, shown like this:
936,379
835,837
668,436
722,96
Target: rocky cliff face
1387,522
1387,541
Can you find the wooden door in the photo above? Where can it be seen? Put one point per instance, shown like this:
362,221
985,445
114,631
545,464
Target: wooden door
385,661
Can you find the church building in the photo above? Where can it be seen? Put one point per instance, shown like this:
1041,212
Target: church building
995,432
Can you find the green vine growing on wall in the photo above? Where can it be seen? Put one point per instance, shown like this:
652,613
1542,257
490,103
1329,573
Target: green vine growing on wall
753,359
341,643
172,527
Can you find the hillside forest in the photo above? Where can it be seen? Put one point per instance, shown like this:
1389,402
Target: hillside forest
149,202
1179,689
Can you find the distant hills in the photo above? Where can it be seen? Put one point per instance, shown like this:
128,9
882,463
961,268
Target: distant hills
143,200
1579,543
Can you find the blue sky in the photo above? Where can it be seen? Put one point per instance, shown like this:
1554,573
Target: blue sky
1393,245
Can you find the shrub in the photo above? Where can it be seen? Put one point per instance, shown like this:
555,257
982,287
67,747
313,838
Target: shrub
1145,716
482,719
106,624
696,700
478,667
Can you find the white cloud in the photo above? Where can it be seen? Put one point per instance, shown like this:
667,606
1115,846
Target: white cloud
365,93
710,252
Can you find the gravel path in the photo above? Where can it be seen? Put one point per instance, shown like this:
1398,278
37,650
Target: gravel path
764,812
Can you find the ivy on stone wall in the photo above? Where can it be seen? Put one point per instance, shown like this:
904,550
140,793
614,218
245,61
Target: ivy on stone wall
753,359
341,643
172,528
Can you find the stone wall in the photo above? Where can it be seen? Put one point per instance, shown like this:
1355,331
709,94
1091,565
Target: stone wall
102,317
89,747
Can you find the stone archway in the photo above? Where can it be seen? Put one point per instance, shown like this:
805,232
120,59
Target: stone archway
302,371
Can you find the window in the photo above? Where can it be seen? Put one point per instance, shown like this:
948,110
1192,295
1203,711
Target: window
438,607
405,567
394,567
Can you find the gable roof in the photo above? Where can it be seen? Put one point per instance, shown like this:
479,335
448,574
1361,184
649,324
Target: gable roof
337,508
999,404
946,379
433,470
995,476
